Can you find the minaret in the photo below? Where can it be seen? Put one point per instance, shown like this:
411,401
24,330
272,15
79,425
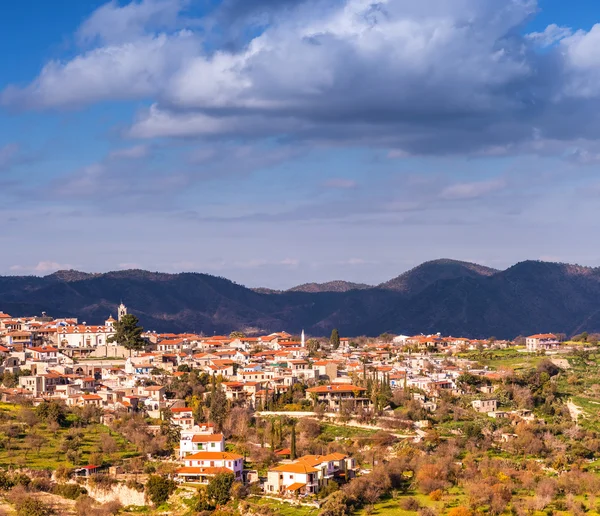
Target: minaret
122,310
302,339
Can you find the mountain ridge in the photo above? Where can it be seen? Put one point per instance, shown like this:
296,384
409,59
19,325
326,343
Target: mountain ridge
447,296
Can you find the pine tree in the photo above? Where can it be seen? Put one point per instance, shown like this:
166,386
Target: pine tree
128,333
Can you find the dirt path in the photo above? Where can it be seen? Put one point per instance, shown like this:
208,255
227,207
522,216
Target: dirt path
574,410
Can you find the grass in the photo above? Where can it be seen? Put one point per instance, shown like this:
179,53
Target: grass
285,509
17,451
508,358
330,432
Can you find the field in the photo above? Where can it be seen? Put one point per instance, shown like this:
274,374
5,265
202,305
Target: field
285,509
17,451
503,358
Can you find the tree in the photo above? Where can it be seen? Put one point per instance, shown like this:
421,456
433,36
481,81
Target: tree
219,488
218,408
236,335
128,333
312,345
293,440
158,489
335,339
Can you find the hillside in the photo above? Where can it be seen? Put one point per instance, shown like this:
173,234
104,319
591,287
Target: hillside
447,296
330,286
428,273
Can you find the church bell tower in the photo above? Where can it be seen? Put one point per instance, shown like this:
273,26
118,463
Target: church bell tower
122,311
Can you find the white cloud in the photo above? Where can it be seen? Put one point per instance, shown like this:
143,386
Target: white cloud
472,190
114,23
135,152
550,35
340,183
131,70
43,267
357,71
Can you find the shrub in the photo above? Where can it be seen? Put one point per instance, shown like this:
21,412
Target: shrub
158,489
338,504
102,482
28,505
409,504
6,482
436,495
70,491
21,479
219,488
41,484
134,484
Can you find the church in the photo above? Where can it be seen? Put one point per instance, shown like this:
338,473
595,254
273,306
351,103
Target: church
84,336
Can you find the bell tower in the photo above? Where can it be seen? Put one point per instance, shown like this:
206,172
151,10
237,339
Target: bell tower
122,311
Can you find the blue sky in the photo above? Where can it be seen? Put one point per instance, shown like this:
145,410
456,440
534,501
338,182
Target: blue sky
276,142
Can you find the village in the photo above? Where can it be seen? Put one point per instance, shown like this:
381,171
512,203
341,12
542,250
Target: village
340,379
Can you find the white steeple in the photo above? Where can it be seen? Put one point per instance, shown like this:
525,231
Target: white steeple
122,310
302,339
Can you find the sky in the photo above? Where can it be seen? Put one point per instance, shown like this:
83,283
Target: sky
277,142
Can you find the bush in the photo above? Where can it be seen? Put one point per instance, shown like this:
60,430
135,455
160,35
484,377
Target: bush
20,479
28,505
409,504
219,488
86,506
63,473
158,489
102,482
436,495
6,482
338,504
134,484
70,491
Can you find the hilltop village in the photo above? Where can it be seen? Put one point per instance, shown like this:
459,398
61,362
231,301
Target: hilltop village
250,412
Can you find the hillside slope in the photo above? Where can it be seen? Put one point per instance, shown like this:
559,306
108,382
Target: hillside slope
446,296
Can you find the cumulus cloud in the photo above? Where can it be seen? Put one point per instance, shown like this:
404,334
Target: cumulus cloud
132,70
112,22
421,78
550,35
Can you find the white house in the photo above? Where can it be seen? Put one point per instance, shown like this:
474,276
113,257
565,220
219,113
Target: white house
194,443
202,466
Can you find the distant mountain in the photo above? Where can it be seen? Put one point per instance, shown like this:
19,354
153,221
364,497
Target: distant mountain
428,273
330,286
451,297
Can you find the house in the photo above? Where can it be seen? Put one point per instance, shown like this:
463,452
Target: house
542,341
193,443
182,417
46,354
485,406
36,385
202,466
295,478
87,400
333,395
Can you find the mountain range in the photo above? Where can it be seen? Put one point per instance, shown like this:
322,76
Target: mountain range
447,296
